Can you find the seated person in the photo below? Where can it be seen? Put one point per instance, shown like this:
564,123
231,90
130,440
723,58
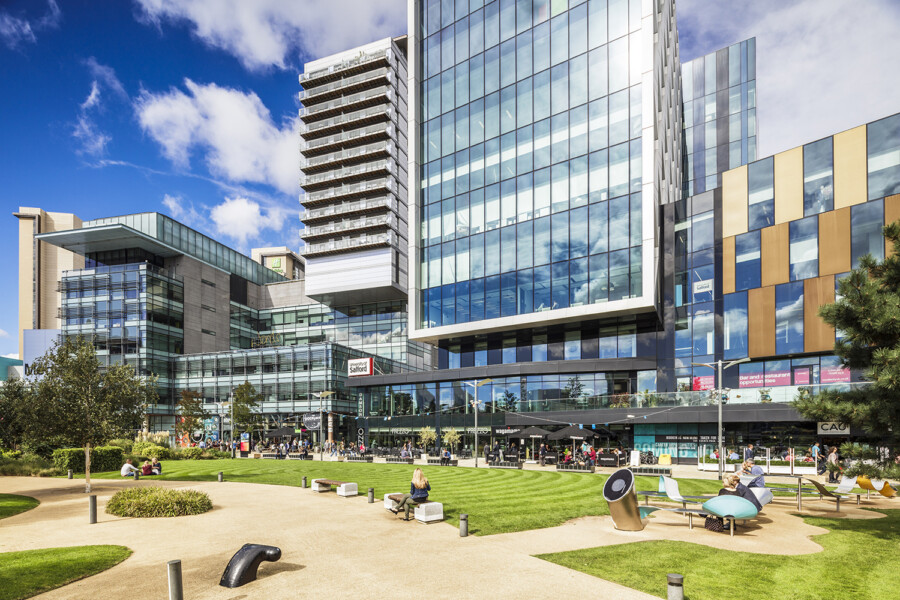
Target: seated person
128,469
404,453
146,469
733,455
750,468
445,457
731,486
156,466
418,492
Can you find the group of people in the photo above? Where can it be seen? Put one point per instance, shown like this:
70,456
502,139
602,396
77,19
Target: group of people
153,467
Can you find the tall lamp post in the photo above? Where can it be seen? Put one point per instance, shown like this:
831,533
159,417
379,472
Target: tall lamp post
475,385
321,395
718,368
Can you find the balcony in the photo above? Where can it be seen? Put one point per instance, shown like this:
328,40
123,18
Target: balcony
355,119
347,174
347,67
348,85
369,134
340,228
368,205
349,156
358,243
385,184
379,95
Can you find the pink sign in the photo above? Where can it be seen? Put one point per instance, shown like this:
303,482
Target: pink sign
750,380
778,378
703,382
834,375
801,377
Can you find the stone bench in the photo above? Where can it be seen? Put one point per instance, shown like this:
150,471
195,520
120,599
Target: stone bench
667,471
299,456
398,460
424,512
364,459
575,467
437,461
269,455
505,464
343,488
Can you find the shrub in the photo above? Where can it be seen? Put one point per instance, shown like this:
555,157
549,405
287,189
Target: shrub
190,453
158,452
160,438
15,454
140,447
126,445
218,454
29,465
157,502
104,458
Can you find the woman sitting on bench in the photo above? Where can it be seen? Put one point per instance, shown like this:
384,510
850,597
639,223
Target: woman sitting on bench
418,492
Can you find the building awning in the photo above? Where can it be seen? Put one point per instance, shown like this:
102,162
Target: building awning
103,238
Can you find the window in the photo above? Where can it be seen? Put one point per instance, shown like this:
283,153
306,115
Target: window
208,332
747,261
209,308
735,325
883,151
761,188
209,283
804,248
866,221
789,318
818,177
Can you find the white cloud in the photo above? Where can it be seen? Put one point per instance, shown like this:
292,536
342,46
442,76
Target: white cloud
235,130
92,139
17,30
243,219
182,210
4,334
14,355
822,65
266,33
106,75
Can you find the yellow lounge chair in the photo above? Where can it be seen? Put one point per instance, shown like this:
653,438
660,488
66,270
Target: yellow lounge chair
879,485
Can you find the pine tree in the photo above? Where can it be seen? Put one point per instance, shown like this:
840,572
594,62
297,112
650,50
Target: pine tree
868,317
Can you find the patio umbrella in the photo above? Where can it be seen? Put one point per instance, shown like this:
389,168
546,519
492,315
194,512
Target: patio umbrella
573,432
534,433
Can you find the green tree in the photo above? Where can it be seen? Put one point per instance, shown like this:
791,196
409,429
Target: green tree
427,435
83,405
868,317
451,439
246,400
574,389
190,414
14,399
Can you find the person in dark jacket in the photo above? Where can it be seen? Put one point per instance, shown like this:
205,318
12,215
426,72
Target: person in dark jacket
732,486
418,492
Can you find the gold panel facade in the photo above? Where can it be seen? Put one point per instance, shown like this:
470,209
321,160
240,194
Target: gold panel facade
834,242
891,214
734,201
789,185
774,243
761,321
818,336
728,266
850,176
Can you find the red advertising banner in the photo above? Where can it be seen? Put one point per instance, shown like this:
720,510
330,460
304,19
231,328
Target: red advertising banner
703,382
834,375
750,380
801,377
778,378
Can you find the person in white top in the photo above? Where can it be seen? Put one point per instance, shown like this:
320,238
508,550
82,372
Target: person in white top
128,469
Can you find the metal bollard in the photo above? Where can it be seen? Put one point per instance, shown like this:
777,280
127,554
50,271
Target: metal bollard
137,475
371,495
303,482
176,591
675,587
70,473
463,525
92,509
221,477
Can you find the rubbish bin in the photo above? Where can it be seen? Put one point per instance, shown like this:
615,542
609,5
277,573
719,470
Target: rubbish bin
623,505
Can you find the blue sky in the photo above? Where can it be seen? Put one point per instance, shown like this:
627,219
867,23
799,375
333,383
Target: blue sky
189,107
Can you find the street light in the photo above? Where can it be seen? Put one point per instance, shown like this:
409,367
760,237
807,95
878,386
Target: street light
718,368
475,385
319,396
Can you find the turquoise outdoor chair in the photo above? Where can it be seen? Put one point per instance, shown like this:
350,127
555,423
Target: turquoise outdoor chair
731,508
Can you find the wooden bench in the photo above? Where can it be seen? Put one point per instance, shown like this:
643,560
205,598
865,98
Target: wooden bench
437,461
428,511
363,459
576,467
344,488
398,460
504,464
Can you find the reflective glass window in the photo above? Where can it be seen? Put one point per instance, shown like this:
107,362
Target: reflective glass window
818,177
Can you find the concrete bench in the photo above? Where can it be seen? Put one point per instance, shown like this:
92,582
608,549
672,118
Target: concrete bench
505,464
344,488
362,459
299,456
424,512
398,460
269,455
437,461
575,467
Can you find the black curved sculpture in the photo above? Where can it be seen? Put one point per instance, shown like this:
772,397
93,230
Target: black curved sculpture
242,567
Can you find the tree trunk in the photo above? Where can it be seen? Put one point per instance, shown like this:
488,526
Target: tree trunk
87,468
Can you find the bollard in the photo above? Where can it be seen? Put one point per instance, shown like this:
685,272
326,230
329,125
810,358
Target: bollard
176,592
675,587
137,475
92,509
221,477
371,495
463,525
70,473
303,482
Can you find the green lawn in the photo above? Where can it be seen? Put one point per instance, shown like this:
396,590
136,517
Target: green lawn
859,562
13,504
496,500
30,572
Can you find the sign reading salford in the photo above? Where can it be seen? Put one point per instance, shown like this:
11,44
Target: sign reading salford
360,367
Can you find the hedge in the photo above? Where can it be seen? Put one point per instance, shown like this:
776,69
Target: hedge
158,452
190,453
157,502
104,458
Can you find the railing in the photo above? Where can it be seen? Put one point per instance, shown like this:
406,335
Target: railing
379,239
356,61
382,73
309,111
346,136
101,270
351,171
350,189
389,220
317,161
387,202
347,118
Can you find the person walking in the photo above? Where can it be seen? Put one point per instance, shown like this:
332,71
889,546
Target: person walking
832,460
418,492
542,453
816,454
748,452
